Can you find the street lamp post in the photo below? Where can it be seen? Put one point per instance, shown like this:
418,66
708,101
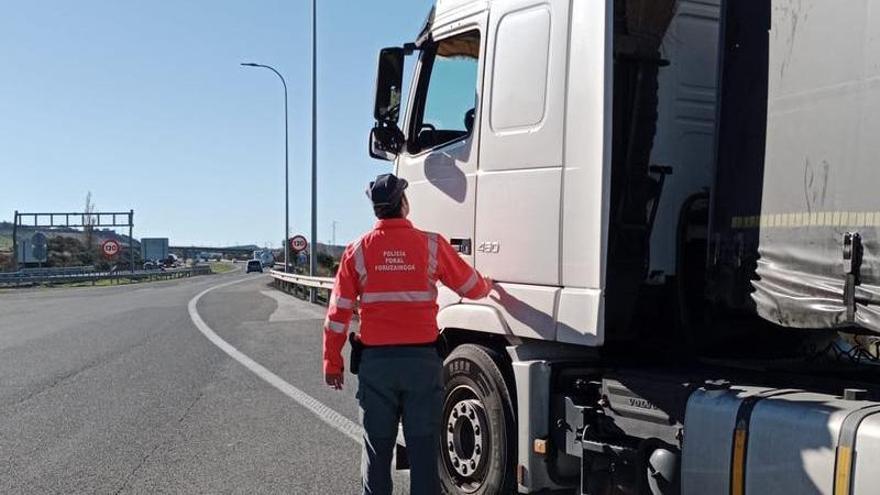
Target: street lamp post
313,259
286,168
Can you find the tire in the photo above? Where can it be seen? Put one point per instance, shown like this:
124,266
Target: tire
478,436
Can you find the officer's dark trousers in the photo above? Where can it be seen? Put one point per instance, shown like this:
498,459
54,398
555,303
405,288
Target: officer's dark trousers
394,384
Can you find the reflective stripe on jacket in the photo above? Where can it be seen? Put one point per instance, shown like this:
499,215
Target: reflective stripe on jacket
393,272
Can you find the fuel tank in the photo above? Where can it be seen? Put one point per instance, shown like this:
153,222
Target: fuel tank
757,440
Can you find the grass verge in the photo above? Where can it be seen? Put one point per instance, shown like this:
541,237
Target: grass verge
106,282
222,267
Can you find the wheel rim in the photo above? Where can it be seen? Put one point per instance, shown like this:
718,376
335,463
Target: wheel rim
466,439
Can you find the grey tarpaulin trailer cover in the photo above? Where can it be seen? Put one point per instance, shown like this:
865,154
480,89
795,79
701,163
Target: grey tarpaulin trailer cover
796,208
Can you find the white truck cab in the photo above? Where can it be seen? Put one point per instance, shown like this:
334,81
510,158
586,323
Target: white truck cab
615,166
486,125
508,147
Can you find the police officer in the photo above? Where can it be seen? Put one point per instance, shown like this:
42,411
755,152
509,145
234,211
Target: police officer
391,273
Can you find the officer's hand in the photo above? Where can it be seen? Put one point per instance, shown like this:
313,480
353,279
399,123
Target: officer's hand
334,380
489,283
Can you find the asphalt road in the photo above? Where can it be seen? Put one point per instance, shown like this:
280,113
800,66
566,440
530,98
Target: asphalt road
115,390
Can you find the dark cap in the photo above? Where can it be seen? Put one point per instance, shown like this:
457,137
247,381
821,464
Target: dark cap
386,190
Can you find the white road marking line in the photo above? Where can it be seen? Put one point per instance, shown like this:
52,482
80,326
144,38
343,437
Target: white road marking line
324,413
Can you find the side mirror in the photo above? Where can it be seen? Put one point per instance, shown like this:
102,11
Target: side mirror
389,82
386,141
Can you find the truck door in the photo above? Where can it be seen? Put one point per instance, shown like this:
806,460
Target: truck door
440,160
521,147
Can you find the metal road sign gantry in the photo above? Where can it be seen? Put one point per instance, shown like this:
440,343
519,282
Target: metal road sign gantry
75,220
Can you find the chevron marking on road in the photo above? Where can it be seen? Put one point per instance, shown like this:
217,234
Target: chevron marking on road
324,413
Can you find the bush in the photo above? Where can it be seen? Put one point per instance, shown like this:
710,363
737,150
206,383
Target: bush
6,261
69,251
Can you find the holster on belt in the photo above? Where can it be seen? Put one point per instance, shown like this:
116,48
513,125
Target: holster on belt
357,349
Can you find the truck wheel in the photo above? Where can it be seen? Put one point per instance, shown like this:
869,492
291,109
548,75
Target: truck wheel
478,437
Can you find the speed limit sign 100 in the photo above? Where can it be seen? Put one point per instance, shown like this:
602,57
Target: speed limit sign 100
298,243
110,248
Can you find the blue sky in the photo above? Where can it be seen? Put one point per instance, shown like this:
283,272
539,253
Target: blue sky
145,105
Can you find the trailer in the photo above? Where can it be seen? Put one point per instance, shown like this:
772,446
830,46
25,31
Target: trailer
265,257
678,201
155,249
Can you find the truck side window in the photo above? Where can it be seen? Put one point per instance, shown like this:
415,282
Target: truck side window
447,95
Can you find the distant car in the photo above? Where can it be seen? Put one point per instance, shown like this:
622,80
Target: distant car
254,266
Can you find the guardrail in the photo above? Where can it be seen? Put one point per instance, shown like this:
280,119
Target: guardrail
299,285
22,278
64,270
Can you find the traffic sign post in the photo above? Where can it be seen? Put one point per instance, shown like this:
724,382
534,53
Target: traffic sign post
298,243
110,248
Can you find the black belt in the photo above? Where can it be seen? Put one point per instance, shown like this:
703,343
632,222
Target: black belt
358,347
428,345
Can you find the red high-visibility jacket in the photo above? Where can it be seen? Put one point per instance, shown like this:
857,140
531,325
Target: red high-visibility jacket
394,270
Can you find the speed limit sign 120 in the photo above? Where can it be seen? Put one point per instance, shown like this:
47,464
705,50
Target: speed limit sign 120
298,243
110,248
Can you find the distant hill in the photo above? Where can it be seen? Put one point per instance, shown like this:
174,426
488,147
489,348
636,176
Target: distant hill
102,235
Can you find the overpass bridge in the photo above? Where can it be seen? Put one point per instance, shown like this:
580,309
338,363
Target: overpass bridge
193,251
